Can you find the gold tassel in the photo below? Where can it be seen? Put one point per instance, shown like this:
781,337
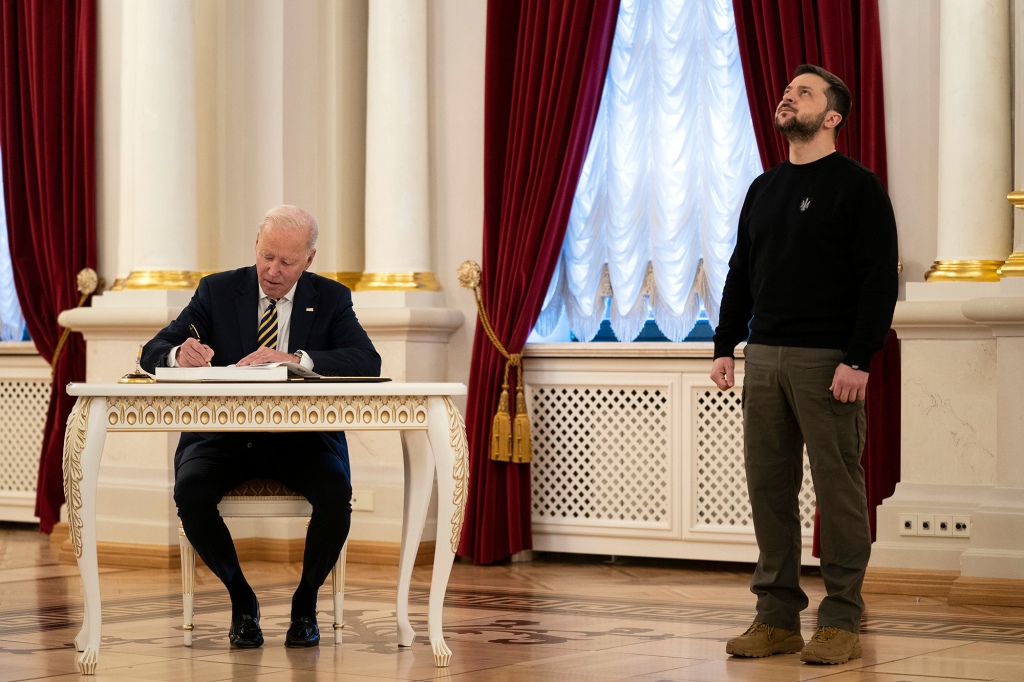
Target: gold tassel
503,447
522,448
501,427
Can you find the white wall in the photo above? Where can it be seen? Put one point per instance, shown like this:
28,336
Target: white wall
910,66
455,76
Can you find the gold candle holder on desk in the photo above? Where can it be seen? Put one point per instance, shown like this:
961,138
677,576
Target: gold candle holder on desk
138,376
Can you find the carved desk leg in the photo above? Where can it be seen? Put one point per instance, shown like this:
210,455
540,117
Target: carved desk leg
83,448
419,478
447,433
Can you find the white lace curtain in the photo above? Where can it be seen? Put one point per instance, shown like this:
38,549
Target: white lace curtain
12,324
654,219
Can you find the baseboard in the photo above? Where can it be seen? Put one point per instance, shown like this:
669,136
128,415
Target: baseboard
913,582
987,591
949,585
249,549
387,553
60,533
359,551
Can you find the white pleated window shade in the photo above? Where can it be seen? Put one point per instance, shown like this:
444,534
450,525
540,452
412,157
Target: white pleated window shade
12,324
653,222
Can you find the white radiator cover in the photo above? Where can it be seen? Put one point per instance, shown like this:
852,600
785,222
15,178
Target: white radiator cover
637,453
24,398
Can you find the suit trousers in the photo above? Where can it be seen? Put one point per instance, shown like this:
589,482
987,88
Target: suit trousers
787,404
303,462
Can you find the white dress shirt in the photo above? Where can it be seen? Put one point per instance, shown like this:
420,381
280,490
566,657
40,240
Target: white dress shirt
284,323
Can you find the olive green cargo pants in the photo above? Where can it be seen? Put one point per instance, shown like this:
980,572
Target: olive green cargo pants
786,404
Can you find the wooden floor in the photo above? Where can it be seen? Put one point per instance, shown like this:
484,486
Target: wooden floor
558,619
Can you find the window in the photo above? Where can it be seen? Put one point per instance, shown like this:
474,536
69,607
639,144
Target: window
654,219
12,324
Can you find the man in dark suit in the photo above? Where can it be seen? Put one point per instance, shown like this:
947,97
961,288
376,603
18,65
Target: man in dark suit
272,312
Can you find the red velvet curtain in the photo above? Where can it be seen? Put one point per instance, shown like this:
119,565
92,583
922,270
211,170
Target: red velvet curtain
47,103
545,69
775,37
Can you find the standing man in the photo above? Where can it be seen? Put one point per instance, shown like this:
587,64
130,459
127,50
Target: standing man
813,284
272,312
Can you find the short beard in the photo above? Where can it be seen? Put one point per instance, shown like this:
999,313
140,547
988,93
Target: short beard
797,131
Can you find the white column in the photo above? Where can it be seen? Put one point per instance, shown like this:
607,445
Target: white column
155,181
397,200
158,138
1014,265
974,221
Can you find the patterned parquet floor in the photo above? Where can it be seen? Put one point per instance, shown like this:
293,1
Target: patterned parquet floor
557,618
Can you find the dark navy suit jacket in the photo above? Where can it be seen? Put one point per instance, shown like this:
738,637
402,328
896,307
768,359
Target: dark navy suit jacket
225,311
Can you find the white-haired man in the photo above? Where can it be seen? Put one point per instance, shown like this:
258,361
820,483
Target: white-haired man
270,312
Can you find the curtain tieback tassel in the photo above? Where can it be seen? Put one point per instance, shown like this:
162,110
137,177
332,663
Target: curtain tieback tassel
522,448
510,436
501,427
87,281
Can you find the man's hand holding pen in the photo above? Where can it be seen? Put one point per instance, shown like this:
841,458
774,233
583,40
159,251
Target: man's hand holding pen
193,352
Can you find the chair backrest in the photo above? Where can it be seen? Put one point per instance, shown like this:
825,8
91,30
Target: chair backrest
264,497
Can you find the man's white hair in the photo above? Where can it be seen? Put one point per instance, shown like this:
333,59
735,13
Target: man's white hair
291,218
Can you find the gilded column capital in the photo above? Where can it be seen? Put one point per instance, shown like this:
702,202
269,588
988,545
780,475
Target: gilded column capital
397,281
160,279
1014,265
349,279
964,271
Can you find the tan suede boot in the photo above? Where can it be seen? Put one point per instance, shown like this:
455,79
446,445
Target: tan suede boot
762,640
831,646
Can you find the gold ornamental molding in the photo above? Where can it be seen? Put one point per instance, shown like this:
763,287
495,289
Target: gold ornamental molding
460,471
964,271
74,444
220,413
1014,265
349,279
161,279
397,281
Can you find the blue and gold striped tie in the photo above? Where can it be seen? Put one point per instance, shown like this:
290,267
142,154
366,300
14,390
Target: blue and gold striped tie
267,334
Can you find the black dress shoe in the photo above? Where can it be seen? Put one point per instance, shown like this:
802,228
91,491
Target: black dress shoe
302,632
245,632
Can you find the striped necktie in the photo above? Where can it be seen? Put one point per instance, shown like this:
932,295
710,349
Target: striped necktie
267,334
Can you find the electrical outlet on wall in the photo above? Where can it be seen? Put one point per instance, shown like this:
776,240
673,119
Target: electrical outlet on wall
944,525
362,500
961,526
908,524
926,524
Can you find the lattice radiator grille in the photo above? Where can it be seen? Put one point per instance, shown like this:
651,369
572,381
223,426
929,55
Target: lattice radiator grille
720,481
604,456
23,405
601,454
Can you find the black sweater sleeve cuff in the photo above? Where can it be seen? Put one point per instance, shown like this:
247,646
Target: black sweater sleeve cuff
859,356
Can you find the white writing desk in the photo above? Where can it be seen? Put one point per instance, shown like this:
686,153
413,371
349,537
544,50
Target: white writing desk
433,439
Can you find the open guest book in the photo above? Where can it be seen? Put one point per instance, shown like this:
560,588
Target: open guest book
268,371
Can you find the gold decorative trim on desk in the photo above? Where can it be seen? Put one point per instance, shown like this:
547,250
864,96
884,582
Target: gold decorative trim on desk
349,279
161,279
243,413
397,281
964,271
1016,198
457,437
74,444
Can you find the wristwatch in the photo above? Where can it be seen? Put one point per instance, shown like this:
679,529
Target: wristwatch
299,354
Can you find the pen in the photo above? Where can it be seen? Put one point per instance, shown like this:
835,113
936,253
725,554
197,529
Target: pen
195,333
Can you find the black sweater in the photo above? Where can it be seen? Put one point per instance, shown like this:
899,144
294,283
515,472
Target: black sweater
815,262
